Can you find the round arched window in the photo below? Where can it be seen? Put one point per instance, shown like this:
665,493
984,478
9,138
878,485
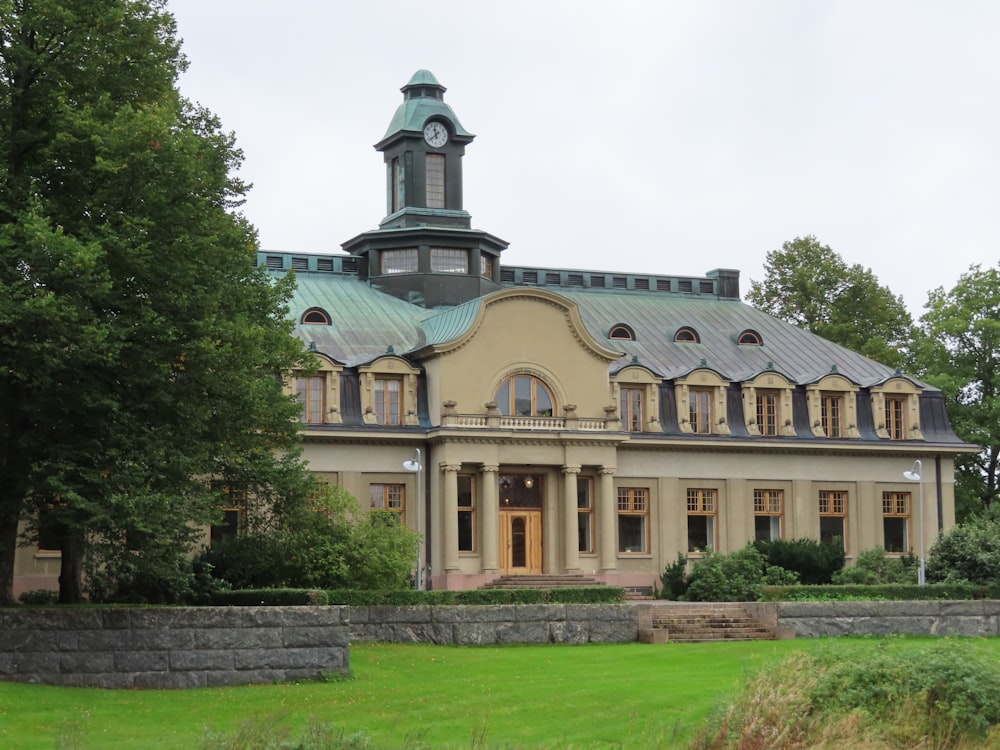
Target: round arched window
524,396
315,316
687,335
750,338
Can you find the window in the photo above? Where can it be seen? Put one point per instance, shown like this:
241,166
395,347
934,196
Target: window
388,497
51,532
396,196
831,411
833,517
466,513
631,408
896,521
633,513
228,530
524,396
315,316
621,332
750,338
768,508
585,513
310,392
895,417
449,260
435,181
486,266
703,505
399,261
767,412
686,336
700,410
387,401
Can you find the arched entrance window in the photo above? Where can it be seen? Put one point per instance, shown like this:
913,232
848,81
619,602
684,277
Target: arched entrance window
524,396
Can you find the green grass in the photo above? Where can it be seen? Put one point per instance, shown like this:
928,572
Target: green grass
614,696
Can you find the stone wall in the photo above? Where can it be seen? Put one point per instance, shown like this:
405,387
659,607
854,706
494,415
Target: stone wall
171,647
817,619
506,623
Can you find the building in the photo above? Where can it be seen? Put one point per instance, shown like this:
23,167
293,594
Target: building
563,421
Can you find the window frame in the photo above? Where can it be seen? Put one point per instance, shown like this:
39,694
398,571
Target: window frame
831,410
388,412
585,514
435,181
449,260
764,507
399,260
467,512
508,406
632,401
308,390
895,417
315,316
700,411
633,503
892,501
387,491
698,506
832,497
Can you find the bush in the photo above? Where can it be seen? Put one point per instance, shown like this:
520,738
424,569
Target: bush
969,551
874,567
39,596
736,577
673,580
885,592
814,562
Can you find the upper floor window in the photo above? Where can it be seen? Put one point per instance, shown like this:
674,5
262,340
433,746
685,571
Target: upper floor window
435,181
486,266
621,332
750,338
767,404
701,403
895,417
525,396
631,407
310,392
449,260
832,403
399,261
768,412
396,186
316,316
700,410
687,335
831,414
388,401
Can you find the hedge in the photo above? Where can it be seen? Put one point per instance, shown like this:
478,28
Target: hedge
884,592
355,598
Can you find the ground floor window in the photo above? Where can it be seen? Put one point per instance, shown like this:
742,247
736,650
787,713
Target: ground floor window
390,498
585,513
633,518
703,509
896,521
833,517
224,532
768,508
466,513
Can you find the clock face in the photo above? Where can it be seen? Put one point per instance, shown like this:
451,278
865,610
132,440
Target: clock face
436,134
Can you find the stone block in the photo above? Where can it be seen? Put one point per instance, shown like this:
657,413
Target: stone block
142,661
35,662
614,631
318,635
246,677
211,638
522,632
475,634
470,613
216,659
86,661
169,680
419,613
568,632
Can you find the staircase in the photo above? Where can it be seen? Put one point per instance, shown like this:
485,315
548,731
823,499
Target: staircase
700,623
541,582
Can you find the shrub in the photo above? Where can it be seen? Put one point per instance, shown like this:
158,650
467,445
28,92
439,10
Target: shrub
969,551
814,562
884,592
39,596
673,580
874,567
736,577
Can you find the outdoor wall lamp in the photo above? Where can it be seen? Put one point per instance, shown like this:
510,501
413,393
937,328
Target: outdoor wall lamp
416,466
916,474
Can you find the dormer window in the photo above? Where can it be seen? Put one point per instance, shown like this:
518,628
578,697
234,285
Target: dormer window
621,332
896,407
701,403
399,261
687,335
389,392
833,409
750,338
316,316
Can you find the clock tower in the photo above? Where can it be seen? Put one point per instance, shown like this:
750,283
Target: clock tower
425,249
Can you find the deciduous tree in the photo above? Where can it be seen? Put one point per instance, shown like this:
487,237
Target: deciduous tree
811,286
140,349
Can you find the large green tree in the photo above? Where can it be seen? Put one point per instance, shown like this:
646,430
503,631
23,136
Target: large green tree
958,350
811,286
140,349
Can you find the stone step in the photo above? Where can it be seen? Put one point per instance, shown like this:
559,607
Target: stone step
541,581
704,623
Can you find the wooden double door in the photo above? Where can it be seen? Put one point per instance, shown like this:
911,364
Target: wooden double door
520,542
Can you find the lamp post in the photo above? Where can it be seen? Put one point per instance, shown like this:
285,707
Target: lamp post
916,474
415,465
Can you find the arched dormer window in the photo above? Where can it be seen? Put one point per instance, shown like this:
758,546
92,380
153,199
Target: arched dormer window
750,338
524,396
687,335
621,332
832,402
316,316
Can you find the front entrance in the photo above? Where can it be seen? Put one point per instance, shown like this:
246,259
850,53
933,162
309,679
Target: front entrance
521,542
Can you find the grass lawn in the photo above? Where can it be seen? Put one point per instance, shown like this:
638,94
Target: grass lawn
614,696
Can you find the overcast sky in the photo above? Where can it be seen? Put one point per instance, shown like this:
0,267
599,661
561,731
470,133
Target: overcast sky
662,137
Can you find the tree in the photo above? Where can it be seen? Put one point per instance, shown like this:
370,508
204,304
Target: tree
141,349
810,286
958,350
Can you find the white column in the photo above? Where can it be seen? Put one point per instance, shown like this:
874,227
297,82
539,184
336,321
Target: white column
450,537
571,558
607,512
489,515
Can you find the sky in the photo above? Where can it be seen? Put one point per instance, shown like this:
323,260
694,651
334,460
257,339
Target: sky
660,137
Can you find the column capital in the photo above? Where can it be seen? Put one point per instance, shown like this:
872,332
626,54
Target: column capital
609,469
489,468
451,468
570,469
